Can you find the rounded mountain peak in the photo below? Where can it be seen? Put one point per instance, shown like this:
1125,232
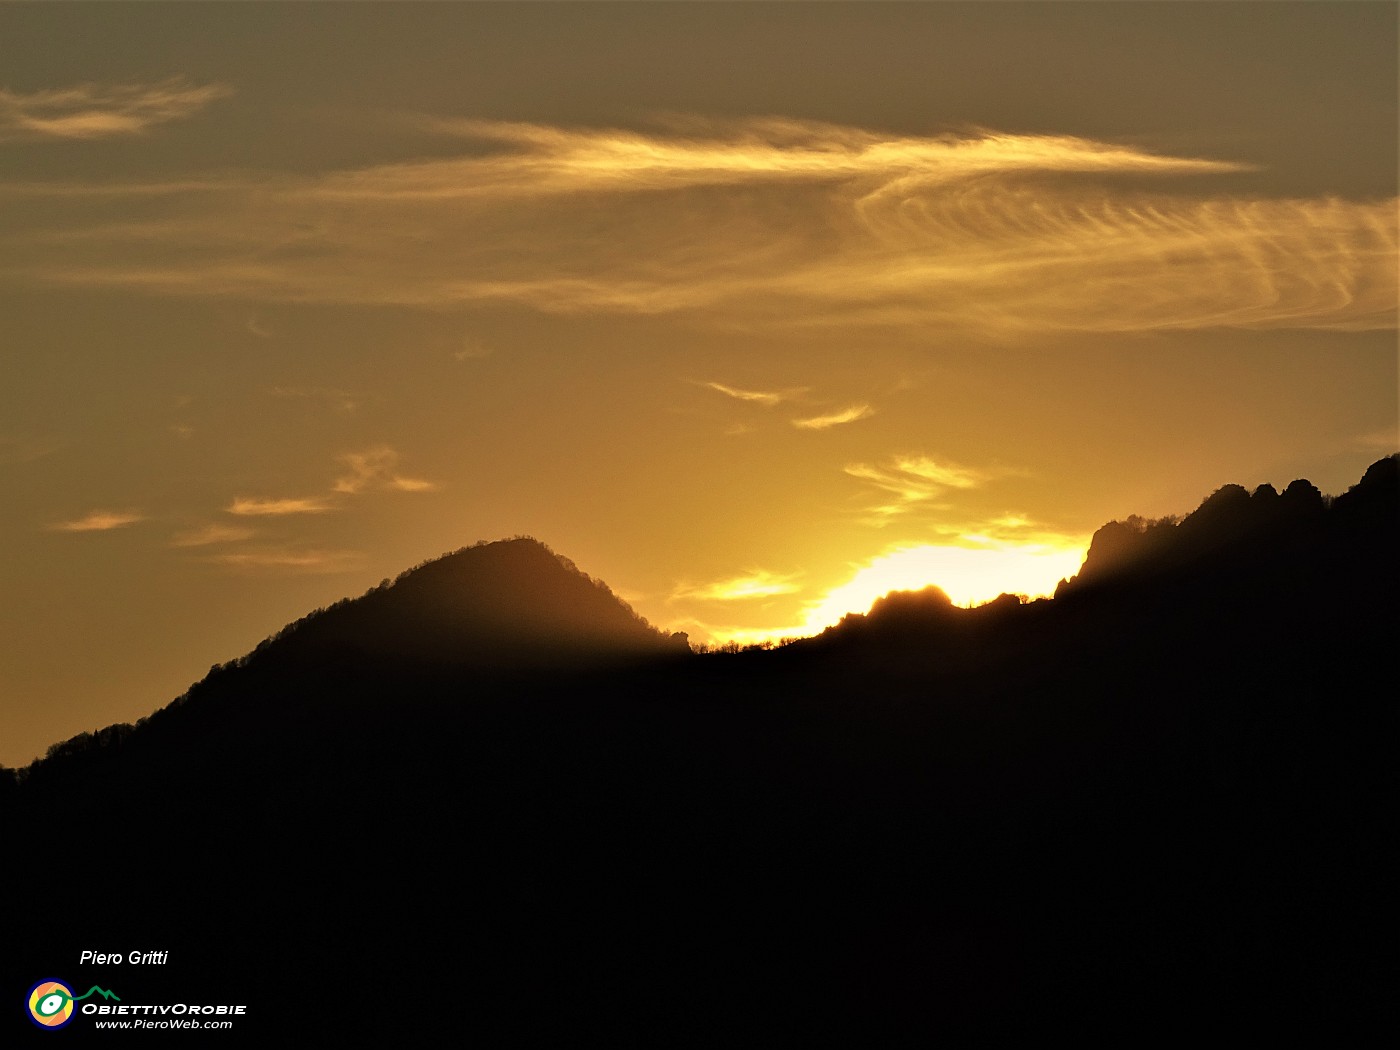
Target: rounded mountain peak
508,603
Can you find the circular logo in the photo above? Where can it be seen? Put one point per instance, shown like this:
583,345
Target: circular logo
51,1004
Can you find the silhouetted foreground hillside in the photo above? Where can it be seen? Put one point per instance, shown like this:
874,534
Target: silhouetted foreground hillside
1162,804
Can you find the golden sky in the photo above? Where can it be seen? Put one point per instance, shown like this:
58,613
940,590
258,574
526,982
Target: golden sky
754,311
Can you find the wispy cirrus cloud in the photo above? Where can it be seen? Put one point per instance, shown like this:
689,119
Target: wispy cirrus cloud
372,470
210,535
1383,439
1010,528
834,419
376,469
758,583
911,480
99,521
292,560
826,224
253,507
91,111
768,398
540,160
472,349
946,475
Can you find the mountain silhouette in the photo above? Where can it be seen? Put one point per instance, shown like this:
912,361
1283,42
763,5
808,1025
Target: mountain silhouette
1160,803
489,606
1234,532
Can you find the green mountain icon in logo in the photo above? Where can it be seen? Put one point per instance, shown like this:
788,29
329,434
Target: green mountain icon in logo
100,991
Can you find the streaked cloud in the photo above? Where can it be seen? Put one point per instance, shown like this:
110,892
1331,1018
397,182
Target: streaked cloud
756,584
292,560
761,397
375,469
911,480
946,475
252,507
547,160
92,111
471,350
402,484
1009,529
99,521
209,535
1384,439
834,419
998,233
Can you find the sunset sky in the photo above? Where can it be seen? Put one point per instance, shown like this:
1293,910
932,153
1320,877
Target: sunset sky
753,311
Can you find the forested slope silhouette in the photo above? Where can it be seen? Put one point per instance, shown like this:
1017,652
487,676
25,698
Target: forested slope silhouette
1163,800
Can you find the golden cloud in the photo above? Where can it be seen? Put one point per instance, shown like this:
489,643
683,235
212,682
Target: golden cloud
90,111
375,469
756,584
209,535
99,521
912,480
290,560
252,507
834,419
758,222
762,397
946,475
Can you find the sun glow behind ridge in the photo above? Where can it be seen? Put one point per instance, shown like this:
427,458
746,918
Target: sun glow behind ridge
970,575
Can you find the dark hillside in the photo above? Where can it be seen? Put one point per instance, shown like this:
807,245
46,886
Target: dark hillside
492,605
1161,804
1235,536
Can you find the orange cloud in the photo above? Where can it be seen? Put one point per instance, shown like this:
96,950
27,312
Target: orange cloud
99,521
210,534
998,233
761,397
375,469
90,111
399,484
835,419
756,584
289,560
251,507
912,480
